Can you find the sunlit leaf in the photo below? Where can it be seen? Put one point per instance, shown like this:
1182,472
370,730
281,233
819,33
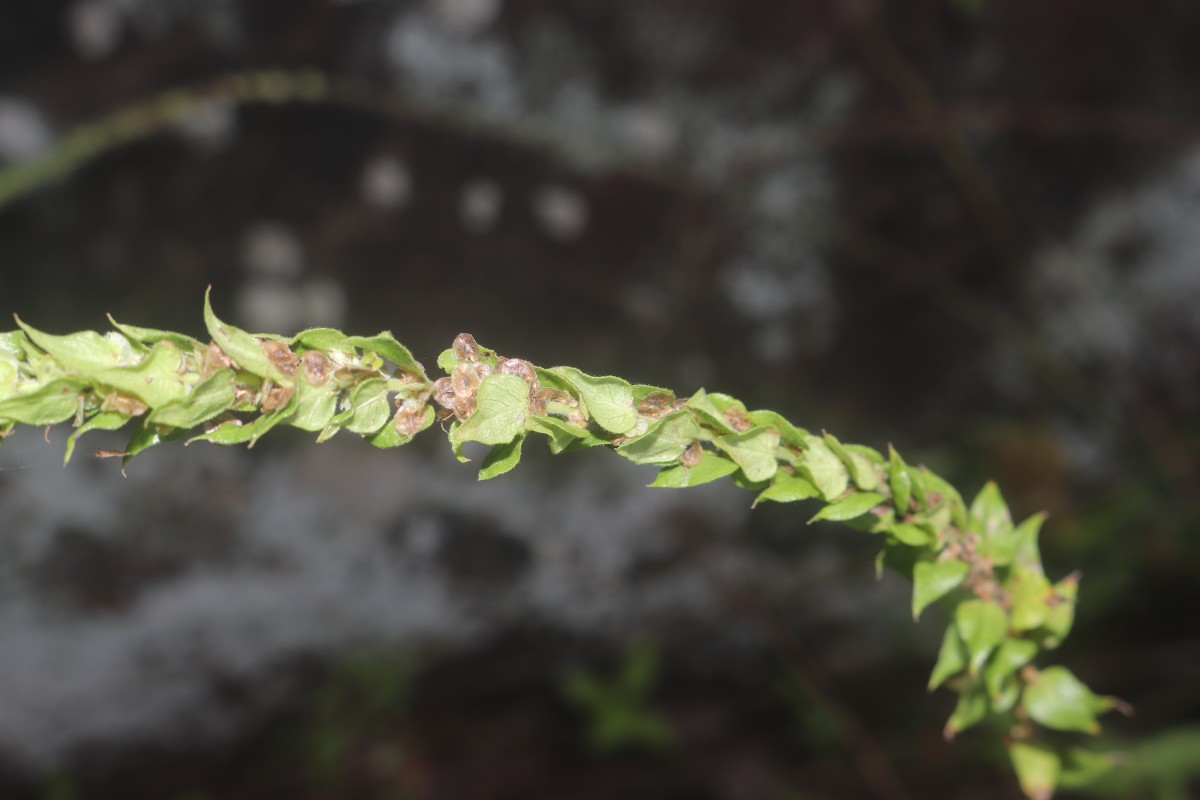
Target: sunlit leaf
608,400
710,467
848,508
755,451
501,458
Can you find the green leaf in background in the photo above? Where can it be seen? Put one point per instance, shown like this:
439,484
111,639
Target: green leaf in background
385,344
664,441
1059,700
899,481
367,408
786,488
501,405
1037,769
608,400
940,493
756,451
242,347
952,658
990,519
214,395
104,421
853,506
46,405
1062,611
972,707
710,467
1026,553
933,580
501,458
982,625
823,469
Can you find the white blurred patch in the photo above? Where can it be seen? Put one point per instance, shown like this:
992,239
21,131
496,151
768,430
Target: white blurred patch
23,132
465,16
325,302
386,182
561,211
480,205
646,132
272,249
209,124
95,28
272,307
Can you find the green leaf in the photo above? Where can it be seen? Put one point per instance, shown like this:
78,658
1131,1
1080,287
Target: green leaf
562,434
710,467
972,707
1062,612
952,658
1029,594
1082,767
322,339
1037,769
249,433
912,535
501,405
241,346
756,451
707,411
933,580
44,405
823,469
983,626
501,458
214,395
853,506
316,405
608,400
664,441
367,408
1026,534
991,520
390,436
154,335
860,469
1059,700
786,488
789,434
899,480
104,421
1010,656
940,493
385,344
447,361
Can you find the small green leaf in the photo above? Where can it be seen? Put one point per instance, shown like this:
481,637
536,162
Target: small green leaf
249,433
991,520
608,400
860,469
562,434
316,405
707,411
787,488
1029,594
501,458
214,395
322,339
153,336
501,405
664,441
1062,612
710,467
756,451
367,408
1037,769
789,434
1082,767
104,421
1010,656
385,344
952,658
241,346
823,469
1026,534
447,361
853,506
939,493
972,707
45,405
912,535
933,580
1059,700
899,480
983,626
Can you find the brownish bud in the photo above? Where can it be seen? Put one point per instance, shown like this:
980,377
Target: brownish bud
691,457
465,380
410,418
281,356
277,397
655,404
465,347
443,393
738,419
519,367
318,369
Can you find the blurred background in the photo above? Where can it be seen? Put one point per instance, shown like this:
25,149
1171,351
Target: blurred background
970,228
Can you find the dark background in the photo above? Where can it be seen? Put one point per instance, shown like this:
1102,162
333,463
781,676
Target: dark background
966,228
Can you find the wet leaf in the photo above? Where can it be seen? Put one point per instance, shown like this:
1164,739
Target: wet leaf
933,580
755,451
710,467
